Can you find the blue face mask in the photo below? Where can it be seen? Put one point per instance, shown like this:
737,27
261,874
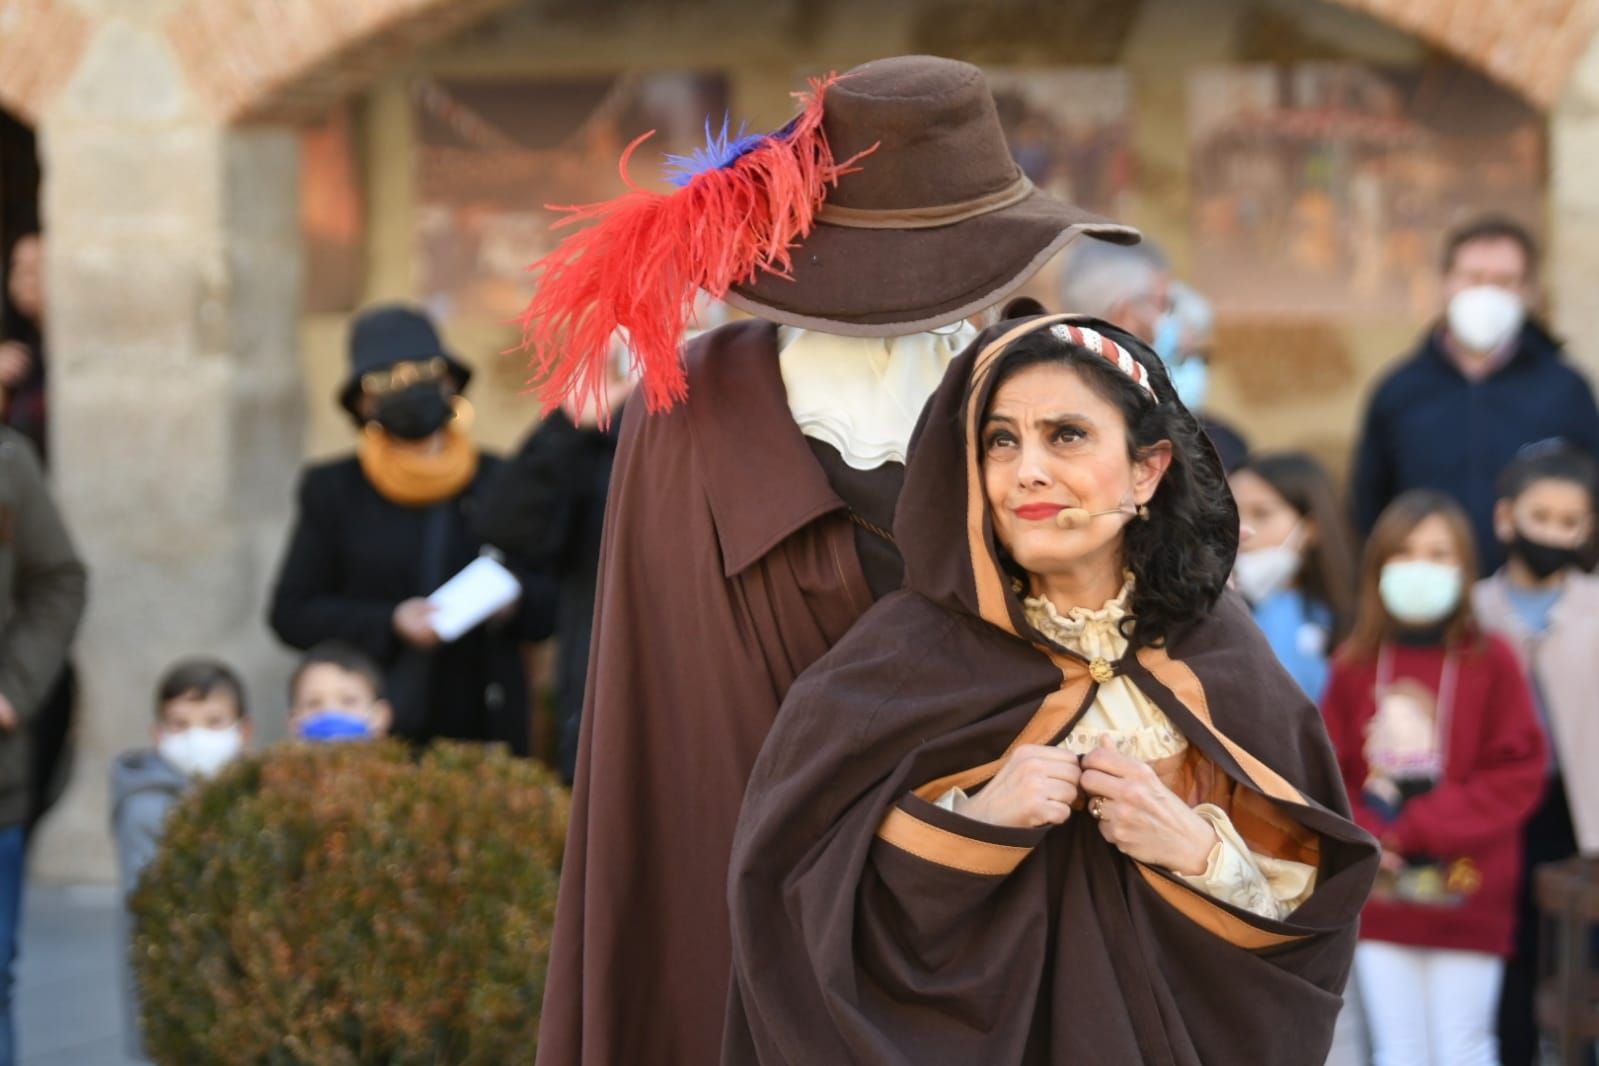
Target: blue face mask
333,726
1168,337
1190,375
1191,379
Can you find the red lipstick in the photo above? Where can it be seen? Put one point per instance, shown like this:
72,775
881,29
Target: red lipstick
1038,512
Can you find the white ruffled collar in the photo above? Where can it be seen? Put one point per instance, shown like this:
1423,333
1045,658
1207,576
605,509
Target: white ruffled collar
863,395
1069,630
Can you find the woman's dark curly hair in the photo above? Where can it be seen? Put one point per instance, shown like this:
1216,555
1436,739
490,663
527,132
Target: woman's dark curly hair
1182,556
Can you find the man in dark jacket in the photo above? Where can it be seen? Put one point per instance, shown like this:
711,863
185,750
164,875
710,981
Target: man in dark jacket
546,510
42,591
1486,381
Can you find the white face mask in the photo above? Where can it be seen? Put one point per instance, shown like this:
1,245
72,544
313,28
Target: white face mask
1419,593
1263,572
201,752
1484,317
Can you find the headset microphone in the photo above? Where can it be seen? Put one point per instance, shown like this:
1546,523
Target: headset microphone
1078,517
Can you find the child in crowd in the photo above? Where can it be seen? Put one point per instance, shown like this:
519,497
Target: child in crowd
1298,570
200,727
336,694
1548,610
1444,760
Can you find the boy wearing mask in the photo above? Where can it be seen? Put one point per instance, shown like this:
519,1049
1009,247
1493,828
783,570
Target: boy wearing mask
336,694
1547,608
200,727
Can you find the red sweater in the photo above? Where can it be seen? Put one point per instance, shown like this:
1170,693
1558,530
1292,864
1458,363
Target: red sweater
1493,778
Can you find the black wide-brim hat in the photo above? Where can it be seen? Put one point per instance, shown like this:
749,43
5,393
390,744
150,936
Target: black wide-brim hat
381,337
938,223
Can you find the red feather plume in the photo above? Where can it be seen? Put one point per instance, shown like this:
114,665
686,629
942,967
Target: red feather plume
645,255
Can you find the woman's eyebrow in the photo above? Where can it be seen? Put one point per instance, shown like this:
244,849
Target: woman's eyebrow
1049,423
1069,418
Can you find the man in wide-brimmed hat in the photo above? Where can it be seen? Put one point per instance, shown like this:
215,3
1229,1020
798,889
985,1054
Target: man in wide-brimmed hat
748,526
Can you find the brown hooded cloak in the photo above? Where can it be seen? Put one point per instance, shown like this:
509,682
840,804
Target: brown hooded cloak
871,926
728,566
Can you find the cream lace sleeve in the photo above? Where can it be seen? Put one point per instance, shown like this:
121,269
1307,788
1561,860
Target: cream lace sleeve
1259,884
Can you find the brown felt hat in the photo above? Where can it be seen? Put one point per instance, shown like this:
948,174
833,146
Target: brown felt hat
937,224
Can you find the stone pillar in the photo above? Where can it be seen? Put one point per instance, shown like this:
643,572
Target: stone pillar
1572,263
174,273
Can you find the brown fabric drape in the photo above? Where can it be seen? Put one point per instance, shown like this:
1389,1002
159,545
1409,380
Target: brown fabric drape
727,567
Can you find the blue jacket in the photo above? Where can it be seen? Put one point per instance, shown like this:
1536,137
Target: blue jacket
1300,633
1427,426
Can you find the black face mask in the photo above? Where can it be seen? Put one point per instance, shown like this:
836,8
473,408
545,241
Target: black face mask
415,413
1544,560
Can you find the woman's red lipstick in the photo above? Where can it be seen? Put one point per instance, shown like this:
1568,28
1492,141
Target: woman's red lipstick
1036,512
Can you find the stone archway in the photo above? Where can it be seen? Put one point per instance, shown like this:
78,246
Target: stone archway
174,269
312,53
251,61
1531,47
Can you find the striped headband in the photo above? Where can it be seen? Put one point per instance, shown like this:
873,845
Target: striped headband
1107,349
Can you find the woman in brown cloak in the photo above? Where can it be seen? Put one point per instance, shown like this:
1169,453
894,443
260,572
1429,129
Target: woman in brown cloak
1056,801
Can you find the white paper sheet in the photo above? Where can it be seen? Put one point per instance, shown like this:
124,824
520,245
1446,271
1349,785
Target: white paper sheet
480,590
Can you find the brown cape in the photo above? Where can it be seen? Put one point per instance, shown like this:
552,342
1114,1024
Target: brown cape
871,926
728,566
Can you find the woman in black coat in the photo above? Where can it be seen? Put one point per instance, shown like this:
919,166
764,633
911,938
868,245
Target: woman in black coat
378,531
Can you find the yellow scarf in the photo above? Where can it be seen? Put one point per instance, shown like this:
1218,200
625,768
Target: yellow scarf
410,477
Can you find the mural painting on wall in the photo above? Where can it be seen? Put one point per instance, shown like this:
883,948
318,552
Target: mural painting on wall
1070,130
1324,189
492,152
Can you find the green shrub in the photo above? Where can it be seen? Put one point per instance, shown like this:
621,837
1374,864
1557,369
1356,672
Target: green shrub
352,903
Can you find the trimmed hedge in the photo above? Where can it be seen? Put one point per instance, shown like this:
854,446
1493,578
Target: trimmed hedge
351,904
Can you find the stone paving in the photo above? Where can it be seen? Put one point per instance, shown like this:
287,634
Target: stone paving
68,1011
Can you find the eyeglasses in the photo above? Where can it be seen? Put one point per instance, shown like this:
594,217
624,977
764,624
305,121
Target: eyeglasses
403,375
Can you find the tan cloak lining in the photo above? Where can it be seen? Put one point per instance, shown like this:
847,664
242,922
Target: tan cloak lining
909,833
1257,820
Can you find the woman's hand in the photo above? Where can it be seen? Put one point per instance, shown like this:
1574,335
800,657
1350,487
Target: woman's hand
1036,786
1144,819
413,621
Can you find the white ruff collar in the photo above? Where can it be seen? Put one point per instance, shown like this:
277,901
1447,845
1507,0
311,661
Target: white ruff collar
862,395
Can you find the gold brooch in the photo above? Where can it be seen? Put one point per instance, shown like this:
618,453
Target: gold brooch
1101,671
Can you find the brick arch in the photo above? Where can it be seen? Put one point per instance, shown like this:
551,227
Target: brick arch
1531,46
41,42
256,59
281,59
276,60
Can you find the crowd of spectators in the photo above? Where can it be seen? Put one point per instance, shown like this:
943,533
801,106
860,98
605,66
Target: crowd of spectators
1452,657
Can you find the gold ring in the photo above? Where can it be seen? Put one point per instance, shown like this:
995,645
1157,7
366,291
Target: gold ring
1096,807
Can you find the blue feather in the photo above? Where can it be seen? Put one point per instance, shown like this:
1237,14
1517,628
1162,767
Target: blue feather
721,149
